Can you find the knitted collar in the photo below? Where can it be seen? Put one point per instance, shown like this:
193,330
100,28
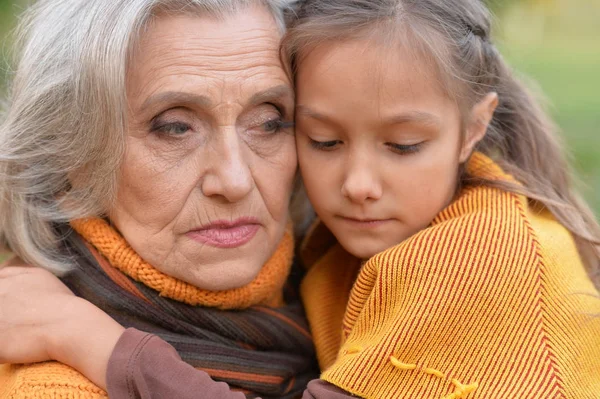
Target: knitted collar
318,239
266,289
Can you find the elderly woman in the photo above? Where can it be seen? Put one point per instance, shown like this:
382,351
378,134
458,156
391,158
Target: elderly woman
147,157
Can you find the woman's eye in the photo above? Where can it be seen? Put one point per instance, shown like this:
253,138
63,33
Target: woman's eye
405,149
276,125
171,128
324,145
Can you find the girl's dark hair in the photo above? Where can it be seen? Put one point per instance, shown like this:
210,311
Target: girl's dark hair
455,36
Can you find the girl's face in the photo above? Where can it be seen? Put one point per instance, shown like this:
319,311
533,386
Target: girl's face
379,143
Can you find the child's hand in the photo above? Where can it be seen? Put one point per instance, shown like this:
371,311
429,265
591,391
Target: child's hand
41,319
33,306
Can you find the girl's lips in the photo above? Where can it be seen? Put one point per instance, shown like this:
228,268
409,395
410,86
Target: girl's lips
364,223
225,234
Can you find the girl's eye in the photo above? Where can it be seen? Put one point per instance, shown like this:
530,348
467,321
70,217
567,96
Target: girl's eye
403,149
171,128
324,145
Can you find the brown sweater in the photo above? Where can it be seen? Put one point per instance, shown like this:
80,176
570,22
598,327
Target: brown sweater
143,366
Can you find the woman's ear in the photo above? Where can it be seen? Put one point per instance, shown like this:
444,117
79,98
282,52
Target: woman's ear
479,120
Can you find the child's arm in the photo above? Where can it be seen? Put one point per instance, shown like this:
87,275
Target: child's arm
42,320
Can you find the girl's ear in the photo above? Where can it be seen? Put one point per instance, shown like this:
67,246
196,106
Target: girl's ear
479,120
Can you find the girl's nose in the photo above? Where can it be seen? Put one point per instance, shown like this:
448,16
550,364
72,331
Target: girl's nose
361,183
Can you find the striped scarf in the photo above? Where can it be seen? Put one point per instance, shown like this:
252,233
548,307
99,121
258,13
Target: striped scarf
262,350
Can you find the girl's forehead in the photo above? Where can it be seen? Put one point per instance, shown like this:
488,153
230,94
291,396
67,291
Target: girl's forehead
377,59
360,69
353,86
387,49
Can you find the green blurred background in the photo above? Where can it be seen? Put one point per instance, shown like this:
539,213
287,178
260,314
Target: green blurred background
553,42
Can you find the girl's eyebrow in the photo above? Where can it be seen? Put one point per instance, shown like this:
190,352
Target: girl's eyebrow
420,117
302,110
306,111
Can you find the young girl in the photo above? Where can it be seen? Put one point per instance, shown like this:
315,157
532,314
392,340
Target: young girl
463,263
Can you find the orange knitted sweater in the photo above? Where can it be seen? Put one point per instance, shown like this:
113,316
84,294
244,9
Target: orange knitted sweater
491,301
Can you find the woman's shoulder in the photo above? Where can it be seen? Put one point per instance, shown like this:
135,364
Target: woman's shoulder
46,380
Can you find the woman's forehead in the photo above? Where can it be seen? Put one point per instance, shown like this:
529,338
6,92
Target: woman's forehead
225,59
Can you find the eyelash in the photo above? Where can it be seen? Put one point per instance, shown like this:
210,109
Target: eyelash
277,125
405,149
324,145
398,148
168,128
174,129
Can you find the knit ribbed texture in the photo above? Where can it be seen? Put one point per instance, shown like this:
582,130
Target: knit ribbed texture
491,301
325,310
48,380
265,289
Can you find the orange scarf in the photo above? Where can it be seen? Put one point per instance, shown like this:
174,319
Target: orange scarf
277,361
266,289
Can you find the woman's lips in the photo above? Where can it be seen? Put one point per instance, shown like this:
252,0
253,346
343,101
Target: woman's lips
226,234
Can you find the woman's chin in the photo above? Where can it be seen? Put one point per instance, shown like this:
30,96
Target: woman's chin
228,279
226,275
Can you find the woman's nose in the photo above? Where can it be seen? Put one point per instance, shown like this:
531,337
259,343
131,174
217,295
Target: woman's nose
361,182
228,173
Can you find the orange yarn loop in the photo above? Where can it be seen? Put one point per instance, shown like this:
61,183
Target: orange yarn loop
265,289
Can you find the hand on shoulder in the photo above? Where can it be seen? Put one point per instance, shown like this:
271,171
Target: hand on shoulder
33,303
41,320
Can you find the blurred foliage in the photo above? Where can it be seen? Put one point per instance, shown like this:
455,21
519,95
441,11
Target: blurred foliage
557,43
8,10
498,6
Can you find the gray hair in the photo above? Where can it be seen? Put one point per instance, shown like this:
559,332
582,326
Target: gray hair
62,137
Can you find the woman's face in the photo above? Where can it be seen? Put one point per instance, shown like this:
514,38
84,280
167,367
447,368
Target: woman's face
204,188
